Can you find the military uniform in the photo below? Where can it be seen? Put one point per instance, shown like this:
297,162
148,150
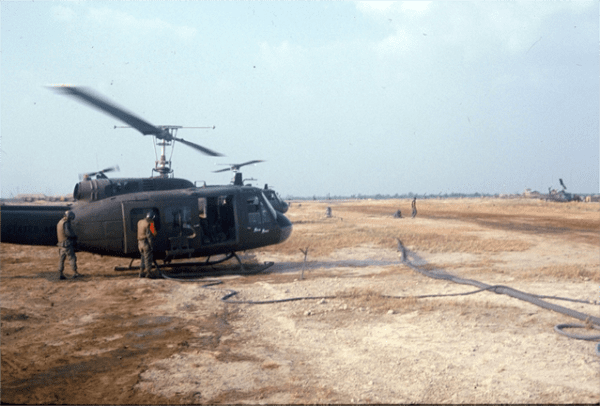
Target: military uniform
67,239
145,235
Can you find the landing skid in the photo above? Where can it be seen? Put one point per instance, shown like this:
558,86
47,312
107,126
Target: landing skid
243,269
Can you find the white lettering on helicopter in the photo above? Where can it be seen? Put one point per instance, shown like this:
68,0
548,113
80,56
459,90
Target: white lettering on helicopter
260,230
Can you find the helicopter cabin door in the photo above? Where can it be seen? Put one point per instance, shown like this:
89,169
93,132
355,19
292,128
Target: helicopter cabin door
181,228
217,216
134,211
176,224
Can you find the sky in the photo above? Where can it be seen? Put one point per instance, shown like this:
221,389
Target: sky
338,98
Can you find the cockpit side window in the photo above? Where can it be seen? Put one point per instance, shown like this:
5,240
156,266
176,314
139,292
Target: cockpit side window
259,210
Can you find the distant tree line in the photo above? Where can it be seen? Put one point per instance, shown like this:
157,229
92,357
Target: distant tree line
380,196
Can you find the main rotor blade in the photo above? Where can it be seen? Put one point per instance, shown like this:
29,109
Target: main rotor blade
249,163
111,169
236,167
103,171
142,126
197,147
98,102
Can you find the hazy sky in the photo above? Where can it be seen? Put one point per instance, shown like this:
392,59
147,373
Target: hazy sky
339,98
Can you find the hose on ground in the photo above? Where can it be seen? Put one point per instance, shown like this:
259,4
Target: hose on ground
591,321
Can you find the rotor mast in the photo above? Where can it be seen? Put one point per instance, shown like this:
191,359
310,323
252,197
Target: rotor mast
162,166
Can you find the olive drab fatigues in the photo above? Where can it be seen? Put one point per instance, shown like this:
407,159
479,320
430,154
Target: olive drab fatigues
145,235
67,240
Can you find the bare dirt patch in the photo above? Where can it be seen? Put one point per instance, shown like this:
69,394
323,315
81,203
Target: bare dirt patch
113,338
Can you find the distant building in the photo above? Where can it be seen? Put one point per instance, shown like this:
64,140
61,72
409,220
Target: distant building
532,194
31,197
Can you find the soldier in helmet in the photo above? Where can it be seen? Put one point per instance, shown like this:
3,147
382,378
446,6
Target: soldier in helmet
67,241
145,235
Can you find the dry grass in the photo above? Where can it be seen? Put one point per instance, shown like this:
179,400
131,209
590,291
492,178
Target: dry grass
483,227
359,223
374,302
562,272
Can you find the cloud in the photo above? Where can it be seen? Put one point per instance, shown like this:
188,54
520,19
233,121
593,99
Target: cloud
62,13
121,21
474,29
415,6
374,6
400,41
389,8
282,56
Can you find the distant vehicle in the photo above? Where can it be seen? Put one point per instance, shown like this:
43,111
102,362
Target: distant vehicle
562,195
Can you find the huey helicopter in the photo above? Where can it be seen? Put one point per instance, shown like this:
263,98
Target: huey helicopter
191,221
277,202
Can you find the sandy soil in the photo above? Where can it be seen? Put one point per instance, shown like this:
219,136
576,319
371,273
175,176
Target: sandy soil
113,338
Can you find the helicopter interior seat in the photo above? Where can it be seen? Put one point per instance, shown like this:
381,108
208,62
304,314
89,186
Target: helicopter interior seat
204,231
227,221
218,224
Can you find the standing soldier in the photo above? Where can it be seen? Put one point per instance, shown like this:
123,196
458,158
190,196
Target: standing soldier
67,240
145,235
414,207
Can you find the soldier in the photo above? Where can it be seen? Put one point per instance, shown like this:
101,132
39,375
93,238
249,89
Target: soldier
145,235
414,207
67,241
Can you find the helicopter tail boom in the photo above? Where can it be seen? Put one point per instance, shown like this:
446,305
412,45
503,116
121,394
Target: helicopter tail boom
30,225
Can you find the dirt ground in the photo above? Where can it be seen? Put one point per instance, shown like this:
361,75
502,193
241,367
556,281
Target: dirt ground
112,338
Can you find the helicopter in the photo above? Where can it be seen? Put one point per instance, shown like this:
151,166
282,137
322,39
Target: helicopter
277,202
563,195
191,222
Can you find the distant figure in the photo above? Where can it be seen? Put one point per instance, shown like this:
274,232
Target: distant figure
414,207
398,214
145,235
67,241
328,212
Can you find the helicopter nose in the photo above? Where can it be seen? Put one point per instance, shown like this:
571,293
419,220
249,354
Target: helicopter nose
284,206
285,225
